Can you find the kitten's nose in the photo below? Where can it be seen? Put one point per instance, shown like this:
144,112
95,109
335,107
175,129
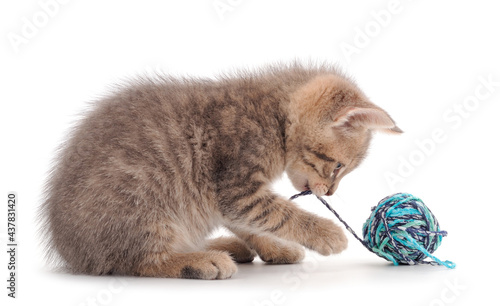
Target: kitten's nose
329,193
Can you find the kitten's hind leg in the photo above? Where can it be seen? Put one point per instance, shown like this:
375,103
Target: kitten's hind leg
274,250
198,265
236,247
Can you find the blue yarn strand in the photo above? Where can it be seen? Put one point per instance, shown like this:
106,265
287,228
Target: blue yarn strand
398,229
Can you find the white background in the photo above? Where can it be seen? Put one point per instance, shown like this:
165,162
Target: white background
420,60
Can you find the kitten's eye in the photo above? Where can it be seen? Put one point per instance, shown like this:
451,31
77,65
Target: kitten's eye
339,165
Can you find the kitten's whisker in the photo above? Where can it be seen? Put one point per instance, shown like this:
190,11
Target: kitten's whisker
336,193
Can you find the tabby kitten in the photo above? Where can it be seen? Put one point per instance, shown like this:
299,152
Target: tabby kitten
154,168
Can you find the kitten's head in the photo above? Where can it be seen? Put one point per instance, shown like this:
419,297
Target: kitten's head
331,122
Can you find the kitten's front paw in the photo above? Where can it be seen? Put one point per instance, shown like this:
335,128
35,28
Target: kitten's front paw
278,252
212,265
326,237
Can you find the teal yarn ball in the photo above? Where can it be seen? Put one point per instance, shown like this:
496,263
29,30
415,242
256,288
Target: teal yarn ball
400,229
403,230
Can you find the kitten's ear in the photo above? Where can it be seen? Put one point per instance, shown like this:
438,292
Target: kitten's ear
369,118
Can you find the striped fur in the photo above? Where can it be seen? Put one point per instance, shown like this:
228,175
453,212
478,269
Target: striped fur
156,166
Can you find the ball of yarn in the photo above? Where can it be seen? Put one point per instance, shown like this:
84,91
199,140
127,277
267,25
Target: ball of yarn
403,230
400,229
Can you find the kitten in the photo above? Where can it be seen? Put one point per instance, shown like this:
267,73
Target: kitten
154,168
